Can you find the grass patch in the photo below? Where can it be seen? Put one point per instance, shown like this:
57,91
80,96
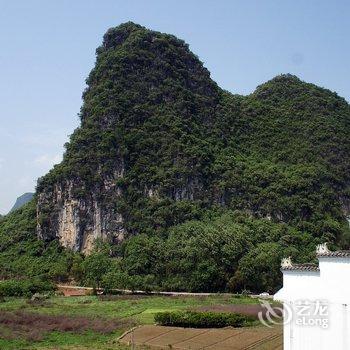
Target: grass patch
67,341
121,307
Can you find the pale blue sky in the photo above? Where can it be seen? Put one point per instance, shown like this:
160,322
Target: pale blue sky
47,49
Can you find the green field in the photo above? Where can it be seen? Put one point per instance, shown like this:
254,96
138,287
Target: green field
33,325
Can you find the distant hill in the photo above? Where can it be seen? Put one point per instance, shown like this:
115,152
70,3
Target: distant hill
22,200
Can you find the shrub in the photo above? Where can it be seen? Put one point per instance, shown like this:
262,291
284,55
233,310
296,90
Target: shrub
203,319
24,288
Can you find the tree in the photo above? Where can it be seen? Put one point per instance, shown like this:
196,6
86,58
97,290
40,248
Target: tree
259,270
95,266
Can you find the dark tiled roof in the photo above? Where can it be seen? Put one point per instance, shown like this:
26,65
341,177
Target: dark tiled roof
322,251
337,254
301,267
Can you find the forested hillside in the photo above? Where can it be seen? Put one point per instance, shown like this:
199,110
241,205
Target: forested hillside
183,185
22,255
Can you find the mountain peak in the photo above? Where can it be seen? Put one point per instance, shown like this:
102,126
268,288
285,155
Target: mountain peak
287,87
132,34
117,35
281,81
286,77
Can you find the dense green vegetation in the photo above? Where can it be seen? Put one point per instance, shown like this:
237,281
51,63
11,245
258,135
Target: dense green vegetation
23,256
203,319
214,188
231,252
24,288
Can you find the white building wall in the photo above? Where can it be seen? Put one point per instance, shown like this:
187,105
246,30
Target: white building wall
335,279
330,285
335,337
301,284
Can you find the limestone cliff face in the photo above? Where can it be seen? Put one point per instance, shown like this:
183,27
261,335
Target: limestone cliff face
78,221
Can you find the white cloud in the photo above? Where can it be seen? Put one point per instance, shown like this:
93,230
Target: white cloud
46,137
47,160
44,140
2,160
25,182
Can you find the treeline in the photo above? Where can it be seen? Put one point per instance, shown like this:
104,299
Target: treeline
231,252
226,251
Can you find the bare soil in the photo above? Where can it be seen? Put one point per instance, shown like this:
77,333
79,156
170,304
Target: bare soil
158,337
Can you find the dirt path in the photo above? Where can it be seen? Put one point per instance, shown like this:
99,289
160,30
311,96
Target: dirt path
158,337
77,291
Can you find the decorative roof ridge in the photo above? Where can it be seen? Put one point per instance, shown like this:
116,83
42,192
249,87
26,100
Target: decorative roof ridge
287,265
323,251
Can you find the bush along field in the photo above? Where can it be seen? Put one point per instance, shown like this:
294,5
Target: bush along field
25,288
96,322
203,319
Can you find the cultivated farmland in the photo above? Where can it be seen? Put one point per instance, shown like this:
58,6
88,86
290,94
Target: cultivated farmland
96,322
